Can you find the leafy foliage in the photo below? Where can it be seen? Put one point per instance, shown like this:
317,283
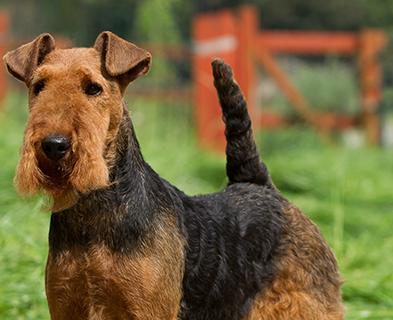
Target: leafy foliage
83,19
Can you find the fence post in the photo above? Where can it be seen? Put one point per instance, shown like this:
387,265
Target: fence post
215,35
371,44
246,75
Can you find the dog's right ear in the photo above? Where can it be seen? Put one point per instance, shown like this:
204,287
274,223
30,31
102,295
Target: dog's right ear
22,61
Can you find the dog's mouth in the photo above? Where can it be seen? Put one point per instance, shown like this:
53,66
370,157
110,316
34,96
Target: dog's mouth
55,172
52,176
62,169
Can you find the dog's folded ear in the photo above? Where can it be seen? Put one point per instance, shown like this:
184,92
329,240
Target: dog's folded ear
22,61
122,59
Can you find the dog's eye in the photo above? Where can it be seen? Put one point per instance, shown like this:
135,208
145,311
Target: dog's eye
38,87
93,89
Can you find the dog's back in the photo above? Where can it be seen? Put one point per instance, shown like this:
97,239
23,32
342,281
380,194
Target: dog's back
250,253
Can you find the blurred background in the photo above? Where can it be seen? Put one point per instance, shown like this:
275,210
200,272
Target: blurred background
318,76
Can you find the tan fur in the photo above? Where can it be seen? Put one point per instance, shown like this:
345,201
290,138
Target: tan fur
93,282
145,285
307,284
90,123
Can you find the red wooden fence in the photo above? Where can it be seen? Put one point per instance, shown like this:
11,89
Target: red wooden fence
234,36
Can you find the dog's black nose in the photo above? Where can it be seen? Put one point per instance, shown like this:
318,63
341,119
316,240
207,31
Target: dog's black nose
55,146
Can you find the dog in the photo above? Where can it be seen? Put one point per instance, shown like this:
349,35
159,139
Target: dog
125,243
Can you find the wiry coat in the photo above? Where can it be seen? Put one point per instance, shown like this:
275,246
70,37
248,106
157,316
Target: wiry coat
136,247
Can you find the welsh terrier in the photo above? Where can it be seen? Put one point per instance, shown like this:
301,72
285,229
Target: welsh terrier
126,244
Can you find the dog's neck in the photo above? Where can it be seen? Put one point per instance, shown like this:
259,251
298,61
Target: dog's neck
125,210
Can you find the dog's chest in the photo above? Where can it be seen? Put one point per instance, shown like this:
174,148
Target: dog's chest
98,283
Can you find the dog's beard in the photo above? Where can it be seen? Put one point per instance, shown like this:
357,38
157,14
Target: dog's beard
90,171
82,170
28,177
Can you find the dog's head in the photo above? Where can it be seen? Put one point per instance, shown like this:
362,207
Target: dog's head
75,110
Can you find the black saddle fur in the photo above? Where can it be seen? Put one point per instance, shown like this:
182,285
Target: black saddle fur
231,236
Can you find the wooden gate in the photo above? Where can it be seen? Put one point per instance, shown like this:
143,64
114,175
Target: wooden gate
234,36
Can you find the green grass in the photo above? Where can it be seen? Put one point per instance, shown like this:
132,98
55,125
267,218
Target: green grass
348,193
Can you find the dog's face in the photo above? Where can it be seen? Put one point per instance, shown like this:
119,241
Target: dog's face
75,109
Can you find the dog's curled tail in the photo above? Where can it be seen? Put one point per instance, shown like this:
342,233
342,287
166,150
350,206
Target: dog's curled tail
243,161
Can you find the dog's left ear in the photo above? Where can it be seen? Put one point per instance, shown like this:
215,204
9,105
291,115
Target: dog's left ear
122,59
